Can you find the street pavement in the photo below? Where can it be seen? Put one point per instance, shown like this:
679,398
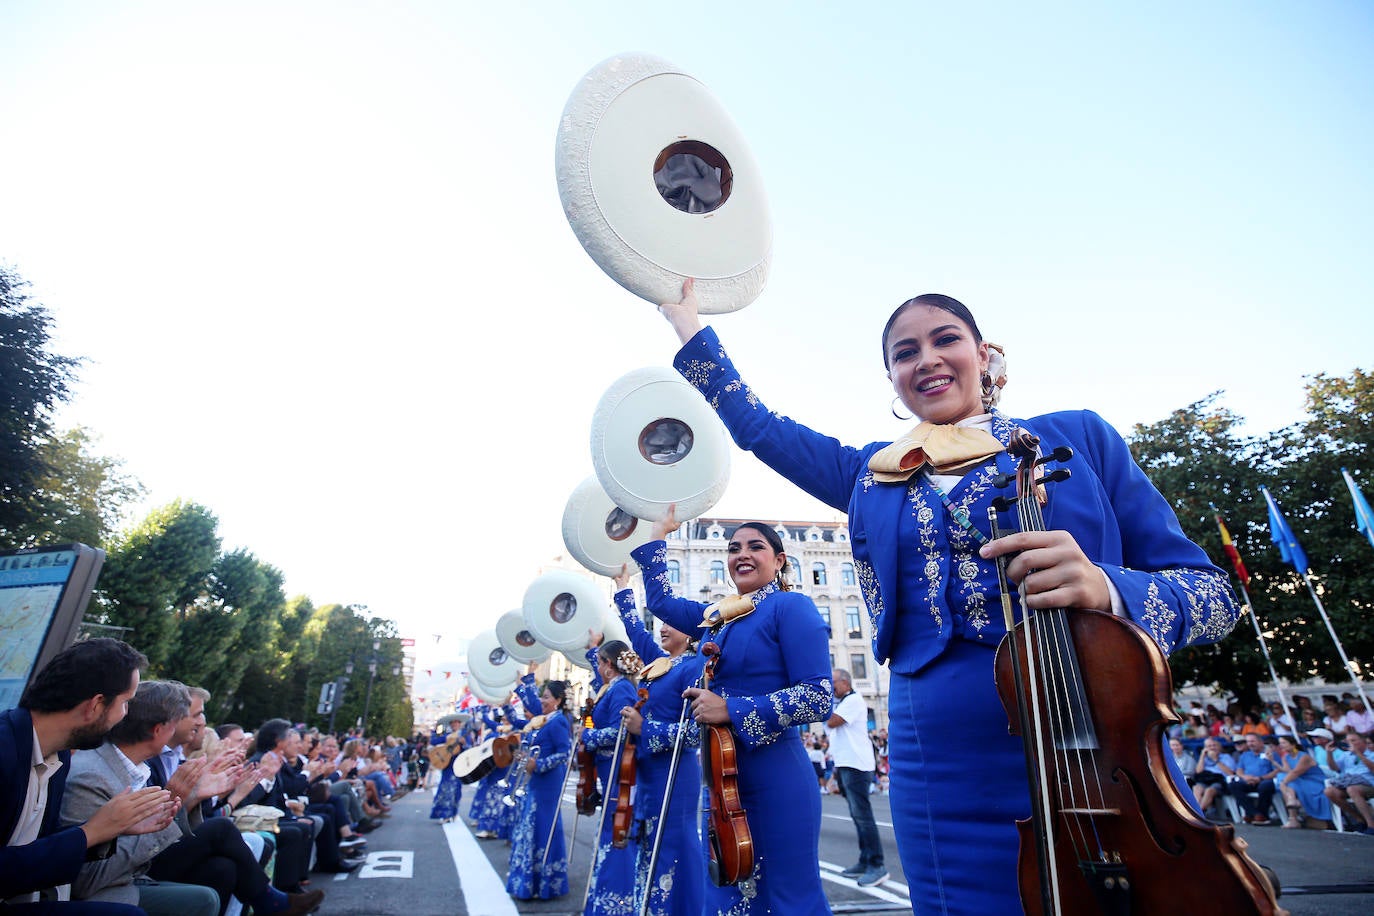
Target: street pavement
419,867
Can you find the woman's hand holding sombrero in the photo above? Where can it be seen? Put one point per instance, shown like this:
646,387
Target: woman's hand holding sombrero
684,315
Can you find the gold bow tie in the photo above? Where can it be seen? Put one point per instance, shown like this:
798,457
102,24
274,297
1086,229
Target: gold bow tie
946,449
731,607
656,668
536,723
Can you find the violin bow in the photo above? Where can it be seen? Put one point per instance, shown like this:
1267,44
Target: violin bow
663,808
601,821
557,809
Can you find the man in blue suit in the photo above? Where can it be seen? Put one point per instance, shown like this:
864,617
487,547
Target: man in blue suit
72,704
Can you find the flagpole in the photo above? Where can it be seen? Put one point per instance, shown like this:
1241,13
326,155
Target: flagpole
1243,577
1287,542
1359,686
1268,660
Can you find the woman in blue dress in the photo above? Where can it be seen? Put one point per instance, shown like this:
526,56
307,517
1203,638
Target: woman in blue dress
485,812
612,875
450,790
1303,783
678,882
919,532
773,674
538,852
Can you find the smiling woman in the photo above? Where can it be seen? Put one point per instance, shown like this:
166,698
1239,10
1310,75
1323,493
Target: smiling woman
925,559
772,673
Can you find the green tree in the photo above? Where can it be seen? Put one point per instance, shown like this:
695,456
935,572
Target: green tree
1196,457
79,497
154,573
33,381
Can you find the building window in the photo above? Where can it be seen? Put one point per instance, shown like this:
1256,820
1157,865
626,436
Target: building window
847,574
795,566
832,661
858,667
717,572
825,615
817,573
675,572
851,623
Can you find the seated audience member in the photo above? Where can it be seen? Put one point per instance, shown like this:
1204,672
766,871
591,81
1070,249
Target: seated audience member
377,770
210,857
1352,787
1333,715
72,703
1254,725
295,831
1358,718
1281,721
1208,779
1325,752
343,785
355,750
338,848
1302,783
1254,771
1185,761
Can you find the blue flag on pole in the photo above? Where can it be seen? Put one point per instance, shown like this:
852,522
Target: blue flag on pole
1364,518
1283,536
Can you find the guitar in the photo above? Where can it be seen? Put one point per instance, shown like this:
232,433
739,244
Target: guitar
441,755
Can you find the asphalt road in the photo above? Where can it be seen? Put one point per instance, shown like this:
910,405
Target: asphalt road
418,867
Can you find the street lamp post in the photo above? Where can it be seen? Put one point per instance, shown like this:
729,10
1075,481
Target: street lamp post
373,660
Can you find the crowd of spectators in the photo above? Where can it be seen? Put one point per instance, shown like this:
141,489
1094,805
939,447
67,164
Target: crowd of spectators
119,798
1309,764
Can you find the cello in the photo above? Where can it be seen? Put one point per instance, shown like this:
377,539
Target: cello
1090,694
728,838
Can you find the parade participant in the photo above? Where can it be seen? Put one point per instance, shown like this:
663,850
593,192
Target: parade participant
450,790
538,853
926,564
773,675
613,869
679,871
486,801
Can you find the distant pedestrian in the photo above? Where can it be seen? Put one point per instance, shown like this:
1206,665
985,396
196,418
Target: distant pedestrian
854,767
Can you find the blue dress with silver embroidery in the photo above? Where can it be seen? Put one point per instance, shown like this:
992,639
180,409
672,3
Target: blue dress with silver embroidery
934,608
679,873
613,870
774,674
538,824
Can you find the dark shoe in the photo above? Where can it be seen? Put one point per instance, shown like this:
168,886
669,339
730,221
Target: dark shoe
301,904
367,825
1260,820
853,871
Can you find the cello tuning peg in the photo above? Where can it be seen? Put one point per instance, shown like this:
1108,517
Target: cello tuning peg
1057,475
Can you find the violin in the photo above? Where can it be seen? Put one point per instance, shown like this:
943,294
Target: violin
731,845
624,805
587,797
1090,694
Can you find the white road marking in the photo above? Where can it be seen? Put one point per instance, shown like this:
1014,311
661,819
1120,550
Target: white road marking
881,894
398,863
483,890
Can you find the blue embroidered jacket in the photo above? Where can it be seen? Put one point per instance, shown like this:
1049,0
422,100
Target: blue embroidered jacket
921,577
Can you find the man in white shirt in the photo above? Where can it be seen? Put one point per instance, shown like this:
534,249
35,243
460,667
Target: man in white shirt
854,766
1358,718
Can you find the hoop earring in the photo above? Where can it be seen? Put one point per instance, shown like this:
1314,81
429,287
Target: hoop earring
894,410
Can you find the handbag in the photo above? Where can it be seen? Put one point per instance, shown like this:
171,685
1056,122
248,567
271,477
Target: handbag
251,818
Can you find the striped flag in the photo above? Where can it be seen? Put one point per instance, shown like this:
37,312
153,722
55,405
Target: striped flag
1236,562
1283,536
1364,518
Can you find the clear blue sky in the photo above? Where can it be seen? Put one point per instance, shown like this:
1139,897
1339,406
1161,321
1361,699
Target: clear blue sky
315,255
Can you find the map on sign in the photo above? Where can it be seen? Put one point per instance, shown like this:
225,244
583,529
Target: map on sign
33,585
